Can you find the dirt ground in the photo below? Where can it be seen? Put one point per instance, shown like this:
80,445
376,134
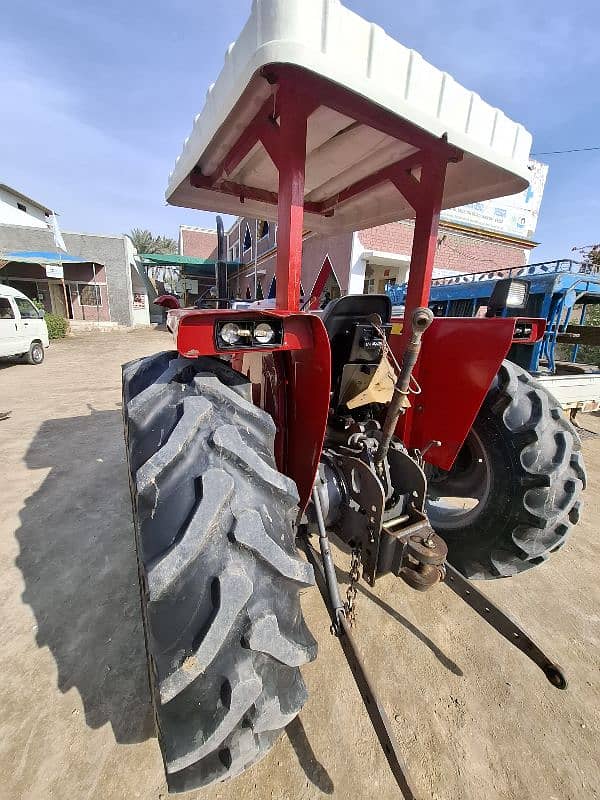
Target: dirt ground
474,718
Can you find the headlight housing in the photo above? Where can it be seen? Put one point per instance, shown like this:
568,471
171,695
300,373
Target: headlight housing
508,293
264,333
248,333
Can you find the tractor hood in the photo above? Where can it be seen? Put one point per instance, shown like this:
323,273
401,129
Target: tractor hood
354,59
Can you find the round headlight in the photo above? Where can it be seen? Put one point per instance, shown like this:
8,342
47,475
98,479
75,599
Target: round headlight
230,333
263,333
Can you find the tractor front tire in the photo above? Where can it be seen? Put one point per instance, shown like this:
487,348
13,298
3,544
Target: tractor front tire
218,568
522,462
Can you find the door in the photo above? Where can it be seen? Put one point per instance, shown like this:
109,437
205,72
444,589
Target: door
11,336
57,298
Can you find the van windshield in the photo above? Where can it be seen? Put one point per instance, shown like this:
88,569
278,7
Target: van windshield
26,308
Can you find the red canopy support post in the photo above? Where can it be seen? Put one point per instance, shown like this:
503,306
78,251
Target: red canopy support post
431,190
427,202
290,212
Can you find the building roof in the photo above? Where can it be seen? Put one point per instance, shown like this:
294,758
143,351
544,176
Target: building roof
335,47
197,242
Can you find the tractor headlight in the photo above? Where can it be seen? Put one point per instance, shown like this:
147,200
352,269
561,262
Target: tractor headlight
508,293
230,333
516,296
248,333
264,333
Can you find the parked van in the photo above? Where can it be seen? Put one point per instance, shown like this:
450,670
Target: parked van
23,330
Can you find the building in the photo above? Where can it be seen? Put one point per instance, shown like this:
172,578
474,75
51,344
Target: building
491,235
197,242
98,280
18,209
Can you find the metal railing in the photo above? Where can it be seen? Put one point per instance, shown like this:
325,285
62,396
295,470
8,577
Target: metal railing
527,270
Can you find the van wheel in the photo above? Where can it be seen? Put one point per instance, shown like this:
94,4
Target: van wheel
36,353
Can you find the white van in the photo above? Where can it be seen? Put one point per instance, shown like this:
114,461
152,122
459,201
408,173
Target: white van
23,330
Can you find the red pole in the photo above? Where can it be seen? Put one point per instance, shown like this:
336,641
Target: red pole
290,211
431,190
428,206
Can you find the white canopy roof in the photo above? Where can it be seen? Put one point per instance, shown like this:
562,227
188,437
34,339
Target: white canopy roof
325,38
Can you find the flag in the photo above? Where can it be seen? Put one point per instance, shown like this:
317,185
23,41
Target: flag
59,242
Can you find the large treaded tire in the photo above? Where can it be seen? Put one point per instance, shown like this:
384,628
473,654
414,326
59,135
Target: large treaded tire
537,476
218,567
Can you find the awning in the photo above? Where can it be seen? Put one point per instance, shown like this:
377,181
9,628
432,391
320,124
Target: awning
42,257
190,267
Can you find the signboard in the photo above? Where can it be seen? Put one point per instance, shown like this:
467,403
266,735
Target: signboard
516,215
54,271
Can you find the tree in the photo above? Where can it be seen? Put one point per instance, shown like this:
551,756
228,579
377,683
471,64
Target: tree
145,242
587,354
591,256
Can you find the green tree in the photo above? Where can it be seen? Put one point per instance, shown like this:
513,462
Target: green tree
145,242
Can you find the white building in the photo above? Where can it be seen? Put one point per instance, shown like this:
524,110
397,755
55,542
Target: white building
101,283
18,209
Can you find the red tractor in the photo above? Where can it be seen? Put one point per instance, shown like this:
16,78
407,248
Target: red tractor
412,440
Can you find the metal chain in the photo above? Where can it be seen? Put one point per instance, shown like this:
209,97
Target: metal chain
351,591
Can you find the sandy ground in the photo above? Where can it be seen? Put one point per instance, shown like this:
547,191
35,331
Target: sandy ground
474,718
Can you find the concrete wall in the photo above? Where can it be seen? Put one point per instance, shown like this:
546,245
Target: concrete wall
111,251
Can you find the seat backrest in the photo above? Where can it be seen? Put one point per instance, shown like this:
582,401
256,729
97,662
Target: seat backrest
355,307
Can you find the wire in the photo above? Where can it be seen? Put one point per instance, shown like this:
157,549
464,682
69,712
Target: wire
561,152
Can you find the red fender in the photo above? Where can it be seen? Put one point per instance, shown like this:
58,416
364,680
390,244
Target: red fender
291,382
459,359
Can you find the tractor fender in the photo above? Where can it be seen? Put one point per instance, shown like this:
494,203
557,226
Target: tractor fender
459,359
290,382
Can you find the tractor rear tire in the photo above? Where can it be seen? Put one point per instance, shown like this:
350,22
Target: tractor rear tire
524,455
218,568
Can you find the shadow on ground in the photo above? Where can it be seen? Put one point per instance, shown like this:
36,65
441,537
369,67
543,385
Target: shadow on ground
78,562
312,767
344,578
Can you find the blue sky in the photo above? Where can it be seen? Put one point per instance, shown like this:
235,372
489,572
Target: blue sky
98,97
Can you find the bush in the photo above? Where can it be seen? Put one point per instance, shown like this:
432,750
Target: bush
57,326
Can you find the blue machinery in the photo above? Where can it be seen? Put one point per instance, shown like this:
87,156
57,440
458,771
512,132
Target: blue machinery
555,288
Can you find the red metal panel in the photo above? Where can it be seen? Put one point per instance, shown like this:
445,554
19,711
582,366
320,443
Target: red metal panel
458,362
193,329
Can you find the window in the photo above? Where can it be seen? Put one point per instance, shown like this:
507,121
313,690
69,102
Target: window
461,308
6,311
247,239
263,229
438,307
21,207
26,309
89,294
233,253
